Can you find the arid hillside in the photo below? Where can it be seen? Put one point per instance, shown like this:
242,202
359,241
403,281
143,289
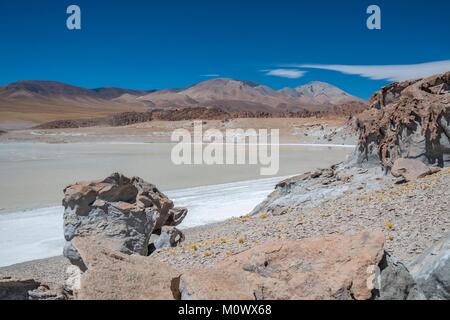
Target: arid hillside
25,104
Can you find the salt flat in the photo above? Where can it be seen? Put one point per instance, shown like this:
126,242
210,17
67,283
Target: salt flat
36,173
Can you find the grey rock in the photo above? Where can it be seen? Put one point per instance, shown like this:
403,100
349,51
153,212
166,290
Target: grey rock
311,189
170,237
44,293
396,283
431,270
120,212
71,253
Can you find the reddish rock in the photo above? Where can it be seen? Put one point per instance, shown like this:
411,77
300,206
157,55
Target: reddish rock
408,119
112,275
411,169
332,267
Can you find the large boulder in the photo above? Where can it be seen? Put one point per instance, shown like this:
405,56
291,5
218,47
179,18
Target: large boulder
122,211
330,267
112,275
431,271
408,119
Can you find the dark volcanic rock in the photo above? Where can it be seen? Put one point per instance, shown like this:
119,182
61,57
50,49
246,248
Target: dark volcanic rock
13,289
71,124
410,120
128,118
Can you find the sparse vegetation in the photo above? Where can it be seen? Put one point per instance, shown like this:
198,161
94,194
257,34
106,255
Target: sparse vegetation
263,216
389,226
207,254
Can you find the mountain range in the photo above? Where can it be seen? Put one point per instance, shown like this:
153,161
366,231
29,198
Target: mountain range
29,102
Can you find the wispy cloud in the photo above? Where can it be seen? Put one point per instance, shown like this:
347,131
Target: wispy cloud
285,73
386,72
210,75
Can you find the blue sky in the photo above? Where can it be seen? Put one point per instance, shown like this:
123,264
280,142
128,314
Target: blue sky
168,44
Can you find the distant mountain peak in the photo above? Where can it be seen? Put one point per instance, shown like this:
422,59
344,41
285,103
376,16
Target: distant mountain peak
318,86
323,92
224,81
46,88
224,93
43,88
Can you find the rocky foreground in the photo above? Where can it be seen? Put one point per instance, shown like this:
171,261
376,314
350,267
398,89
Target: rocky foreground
375,227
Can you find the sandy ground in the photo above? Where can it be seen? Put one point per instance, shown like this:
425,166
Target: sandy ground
50,271
29,112
305,130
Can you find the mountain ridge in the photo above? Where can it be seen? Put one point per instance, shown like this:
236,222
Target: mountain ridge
39,101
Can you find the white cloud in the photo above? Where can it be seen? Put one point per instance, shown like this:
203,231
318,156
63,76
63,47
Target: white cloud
387,72
211,75
285,73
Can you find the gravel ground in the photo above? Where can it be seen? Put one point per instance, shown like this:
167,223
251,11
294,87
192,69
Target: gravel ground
413,216
50,271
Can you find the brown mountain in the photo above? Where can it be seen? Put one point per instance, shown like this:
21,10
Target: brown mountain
27,103
236,95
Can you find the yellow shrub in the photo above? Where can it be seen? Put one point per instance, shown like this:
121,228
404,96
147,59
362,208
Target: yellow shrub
263,216
389,226
191,246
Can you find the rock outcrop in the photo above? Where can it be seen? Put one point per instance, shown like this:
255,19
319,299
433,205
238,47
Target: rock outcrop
409,120
122,212
431,271
411,169
331,267
313,188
